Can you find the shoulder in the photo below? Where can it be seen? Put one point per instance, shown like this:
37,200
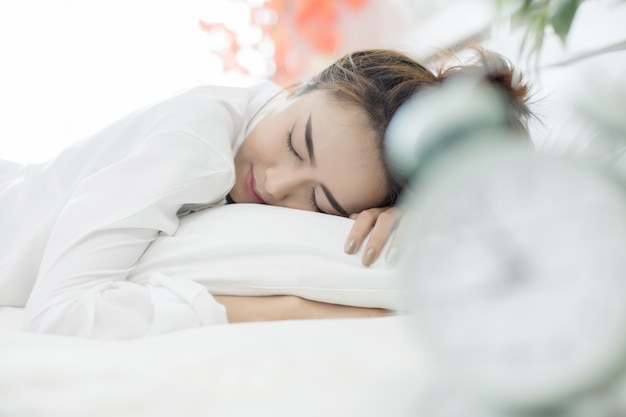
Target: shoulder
245,95
214,103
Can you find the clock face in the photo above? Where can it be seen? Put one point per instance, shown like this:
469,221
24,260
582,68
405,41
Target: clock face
516,274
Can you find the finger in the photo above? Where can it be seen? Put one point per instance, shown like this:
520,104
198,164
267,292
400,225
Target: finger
381,231
397,240
363,224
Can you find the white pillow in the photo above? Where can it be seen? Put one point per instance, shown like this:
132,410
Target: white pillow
252,249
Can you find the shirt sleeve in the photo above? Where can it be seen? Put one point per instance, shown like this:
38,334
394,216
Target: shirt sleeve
111,218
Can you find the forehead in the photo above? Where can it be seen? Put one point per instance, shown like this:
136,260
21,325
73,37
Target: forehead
348,153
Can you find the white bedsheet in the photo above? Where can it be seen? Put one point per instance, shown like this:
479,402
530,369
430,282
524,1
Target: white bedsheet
343,367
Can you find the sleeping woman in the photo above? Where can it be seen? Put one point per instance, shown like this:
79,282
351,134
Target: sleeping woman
73,228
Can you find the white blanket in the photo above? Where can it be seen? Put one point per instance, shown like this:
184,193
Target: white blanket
340,367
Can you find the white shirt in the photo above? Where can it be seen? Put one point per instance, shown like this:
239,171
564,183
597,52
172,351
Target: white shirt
72,229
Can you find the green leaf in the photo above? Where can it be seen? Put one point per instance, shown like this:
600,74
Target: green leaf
518,18
525,15
526,6
539,29
563,16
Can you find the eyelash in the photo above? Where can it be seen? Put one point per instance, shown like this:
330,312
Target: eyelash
290,146
293,151
313,203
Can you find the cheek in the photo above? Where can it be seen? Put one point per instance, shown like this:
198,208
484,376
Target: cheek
261,150
263,139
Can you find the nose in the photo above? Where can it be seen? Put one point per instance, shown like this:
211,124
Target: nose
286,184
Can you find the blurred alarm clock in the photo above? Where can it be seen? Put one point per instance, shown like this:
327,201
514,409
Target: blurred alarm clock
514,262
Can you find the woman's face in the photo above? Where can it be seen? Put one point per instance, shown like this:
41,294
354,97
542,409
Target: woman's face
311,153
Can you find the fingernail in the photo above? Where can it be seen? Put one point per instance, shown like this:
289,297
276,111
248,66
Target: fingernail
368,259
392,255
350,246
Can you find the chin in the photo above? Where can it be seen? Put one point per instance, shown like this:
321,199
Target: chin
233,197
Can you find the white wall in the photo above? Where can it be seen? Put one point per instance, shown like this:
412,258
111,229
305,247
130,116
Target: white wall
70,67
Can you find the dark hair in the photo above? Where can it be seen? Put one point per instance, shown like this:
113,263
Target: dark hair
497,71
379,81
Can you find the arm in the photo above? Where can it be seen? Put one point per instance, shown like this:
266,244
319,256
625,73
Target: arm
111,218
288,307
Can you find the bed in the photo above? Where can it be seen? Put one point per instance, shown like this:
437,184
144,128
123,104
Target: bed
304,368
338,367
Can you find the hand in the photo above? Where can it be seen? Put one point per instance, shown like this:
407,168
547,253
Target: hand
381,222
288,307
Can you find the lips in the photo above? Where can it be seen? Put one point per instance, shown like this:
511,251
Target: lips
251,188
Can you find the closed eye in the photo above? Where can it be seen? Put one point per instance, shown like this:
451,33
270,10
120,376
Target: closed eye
313,202
290,146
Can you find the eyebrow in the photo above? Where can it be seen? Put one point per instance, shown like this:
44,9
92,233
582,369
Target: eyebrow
308,137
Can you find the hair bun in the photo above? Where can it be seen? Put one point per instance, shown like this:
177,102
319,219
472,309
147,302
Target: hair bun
498,72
